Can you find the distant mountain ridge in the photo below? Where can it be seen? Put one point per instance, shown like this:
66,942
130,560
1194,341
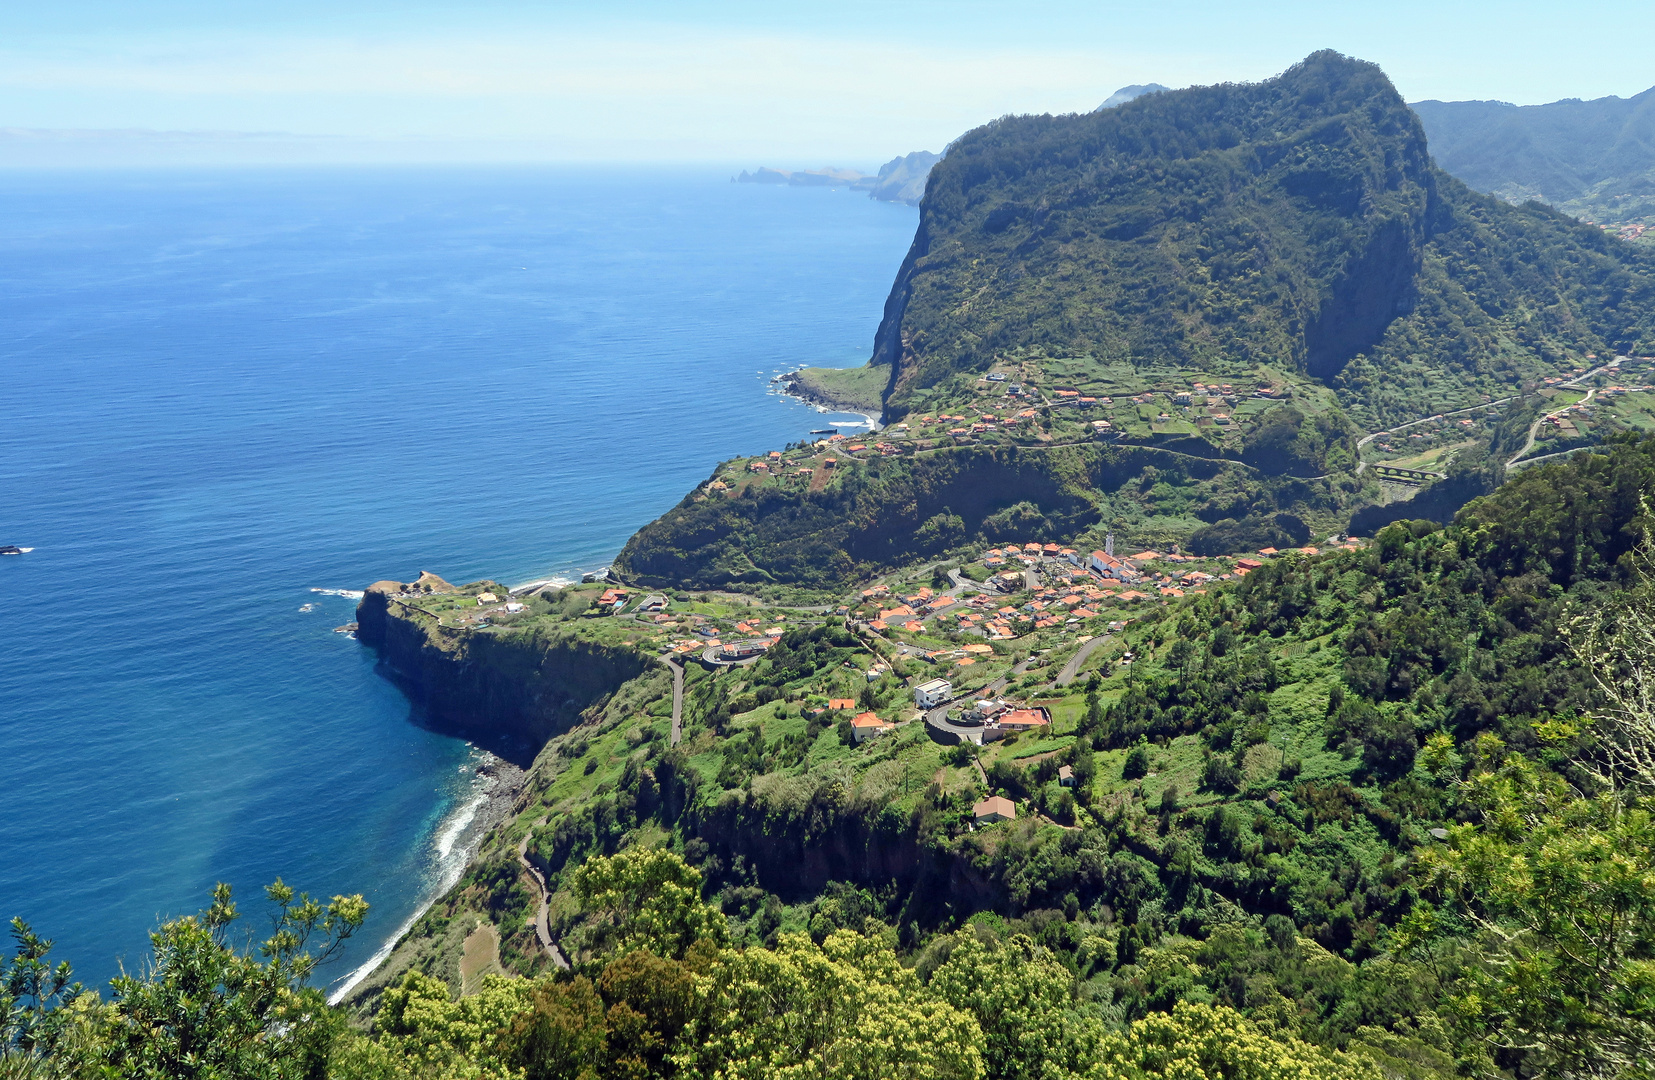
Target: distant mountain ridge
902,179
1131,93
1593,159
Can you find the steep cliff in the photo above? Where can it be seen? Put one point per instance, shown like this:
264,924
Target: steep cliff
508,690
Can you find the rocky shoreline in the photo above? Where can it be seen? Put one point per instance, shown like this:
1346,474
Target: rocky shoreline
791,385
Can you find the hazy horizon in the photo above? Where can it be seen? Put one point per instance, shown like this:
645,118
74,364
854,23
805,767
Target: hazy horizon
92,82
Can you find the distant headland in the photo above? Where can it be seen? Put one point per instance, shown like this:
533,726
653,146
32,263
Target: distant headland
902,179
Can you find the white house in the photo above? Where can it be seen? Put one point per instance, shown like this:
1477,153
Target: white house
929,695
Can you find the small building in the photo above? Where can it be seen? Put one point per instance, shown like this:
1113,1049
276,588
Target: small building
866,725
486,598
928,695
1066,776
838,703
994,808
1025,719
653,602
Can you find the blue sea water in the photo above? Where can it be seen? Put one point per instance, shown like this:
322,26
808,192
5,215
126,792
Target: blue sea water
222,391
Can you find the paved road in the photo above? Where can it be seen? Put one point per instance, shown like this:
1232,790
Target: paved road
542,929
677,701
1072,668
1534,428
1366,439
938,717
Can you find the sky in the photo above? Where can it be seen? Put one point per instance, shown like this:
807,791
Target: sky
845,82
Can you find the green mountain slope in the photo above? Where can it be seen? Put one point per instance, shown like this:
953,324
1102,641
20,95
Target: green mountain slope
1268,804
1132,275
1593,159
1297,222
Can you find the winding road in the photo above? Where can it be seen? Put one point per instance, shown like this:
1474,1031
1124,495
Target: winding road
542,928
1366,439
1072,668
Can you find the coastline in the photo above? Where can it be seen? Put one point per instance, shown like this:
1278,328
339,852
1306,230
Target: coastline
473,817
787,384
454,841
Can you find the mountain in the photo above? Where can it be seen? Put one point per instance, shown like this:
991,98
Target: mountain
1130,93
902,179
1297,221
1593,159
1175,319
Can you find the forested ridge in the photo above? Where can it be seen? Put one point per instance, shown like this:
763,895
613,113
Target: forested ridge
1471,893
1299,221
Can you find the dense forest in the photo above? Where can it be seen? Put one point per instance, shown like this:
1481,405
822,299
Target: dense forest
1476,897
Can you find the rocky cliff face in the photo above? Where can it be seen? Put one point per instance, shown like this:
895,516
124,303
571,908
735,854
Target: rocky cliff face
509,691
1283,220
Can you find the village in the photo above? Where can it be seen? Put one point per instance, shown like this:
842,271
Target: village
1050,403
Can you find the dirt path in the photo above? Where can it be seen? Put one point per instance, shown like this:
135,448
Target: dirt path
542,928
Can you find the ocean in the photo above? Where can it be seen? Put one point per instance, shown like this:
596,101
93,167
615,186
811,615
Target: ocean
233,398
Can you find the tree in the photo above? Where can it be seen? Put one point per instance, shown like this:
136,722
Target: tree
1559,893
648,899
1204,1042
31,993
1021,999
847,1009
422,1032
204,1009
1614,643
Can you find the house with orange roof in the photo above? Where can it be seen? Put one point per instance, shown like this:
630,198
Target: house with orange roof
864,726
1268,551
839,703
1025,719
994,808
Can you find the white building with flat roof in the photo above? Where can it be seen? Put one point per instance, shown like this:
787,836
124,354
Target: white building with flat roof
929,695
